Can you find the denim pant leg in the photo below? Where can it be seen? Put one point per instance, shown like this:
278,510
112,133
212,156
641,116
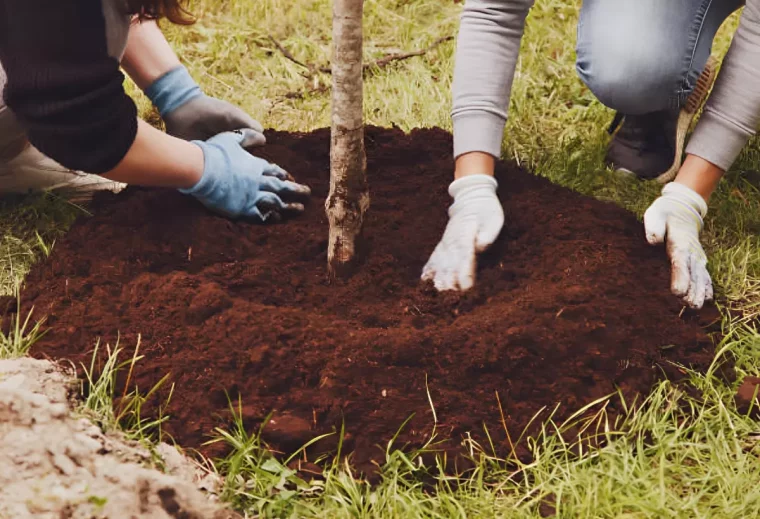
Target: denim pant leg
642,56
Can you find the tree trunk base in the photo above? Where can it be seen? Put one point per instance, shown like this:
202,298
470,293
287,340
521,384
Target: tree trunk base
339,268
349,193
346,245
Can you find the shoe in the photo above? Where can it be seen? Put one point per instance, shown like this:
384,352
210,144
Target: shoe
643,145
32,171
651,146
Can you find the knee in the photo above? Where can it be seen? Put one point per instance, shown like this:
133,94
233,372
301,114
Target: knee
633,77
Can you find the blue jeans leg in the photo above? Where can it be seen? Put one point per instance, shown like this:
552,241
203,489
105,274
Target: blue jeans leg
642,56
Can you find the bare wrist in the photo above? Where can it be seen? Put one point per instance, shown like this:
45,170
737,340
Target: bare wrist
699,175
159,160
474,163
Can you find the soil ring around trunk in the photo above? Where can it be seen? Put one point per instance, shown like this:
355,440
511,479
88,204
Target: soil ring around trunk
570,305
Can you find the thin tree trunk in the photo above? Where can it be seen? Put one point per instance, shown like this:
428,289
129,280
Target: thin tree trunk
349,194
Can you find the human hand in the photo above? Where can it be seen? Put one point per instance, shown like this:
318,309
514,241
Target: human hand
475,220
189,114
237,184
676,218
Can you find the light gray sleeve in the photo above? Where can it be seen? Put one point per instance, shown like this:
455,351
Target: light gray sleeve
489,38
732,113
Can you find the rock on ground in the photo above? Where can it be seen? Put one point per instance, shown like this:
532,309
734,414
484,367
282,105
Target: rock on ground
54,464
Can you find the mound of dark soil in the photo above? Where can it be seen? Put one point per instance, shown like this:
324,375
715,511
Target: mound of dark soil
570,304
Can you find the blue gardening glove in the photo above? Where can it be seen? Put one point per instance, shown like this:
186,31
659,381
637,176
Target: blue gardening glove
237,184
189,114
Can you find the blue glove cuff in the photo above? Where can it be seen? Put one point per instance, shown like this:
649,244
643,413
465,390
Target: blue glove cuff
172,90
212,156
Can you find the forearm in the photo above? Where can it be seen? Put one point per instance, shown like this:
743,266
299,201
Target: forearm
474,163
699,175
487,49
148,55
732,113
159,160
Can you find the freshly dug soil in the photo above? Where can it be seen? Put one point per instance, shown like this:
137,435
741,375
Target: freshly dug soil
570,304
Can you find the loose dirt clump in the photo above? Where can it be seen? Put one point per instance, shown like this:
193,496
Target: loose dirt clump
54,465
570,305
746,398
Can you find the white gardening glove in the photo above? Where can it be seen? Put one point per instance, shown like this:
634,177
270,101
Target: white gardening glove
475,220
677,217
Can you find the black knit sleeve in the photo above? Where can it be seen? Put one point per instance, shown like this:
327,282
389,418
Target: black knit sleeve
63,87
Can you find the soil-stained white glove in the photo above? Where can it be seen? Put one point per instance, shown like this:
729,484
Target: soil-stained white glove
677,218
475,220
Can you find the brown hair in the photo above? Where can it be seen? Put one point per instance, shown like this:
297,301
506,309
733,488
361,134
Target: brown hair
173,10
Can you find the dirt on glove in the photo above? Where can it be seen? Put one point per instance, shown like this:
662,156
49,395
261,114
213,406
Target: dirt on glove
570,305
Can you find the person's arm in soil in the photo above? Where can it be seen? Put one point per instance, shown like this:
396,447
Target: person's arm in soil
187,112
67,93
219,172
487,49
731,116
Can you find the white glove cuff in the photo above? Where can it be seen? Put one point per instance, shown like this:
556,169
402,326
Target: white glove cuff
686,195
471,183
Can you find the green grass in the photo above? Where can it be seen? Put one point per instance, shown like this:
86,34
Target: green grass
255,480
20,334
673,455
29,227
123,411
677,454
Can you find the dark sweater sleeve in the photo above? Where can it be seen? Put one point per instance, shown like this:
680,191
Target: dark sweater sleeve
63,87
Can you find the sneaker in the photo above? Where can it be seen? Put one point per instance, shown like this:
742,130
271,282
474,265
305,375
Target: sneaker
643,145
31,171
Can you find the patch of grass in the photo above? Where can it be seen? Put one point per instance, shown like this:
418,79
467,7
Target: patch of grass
98,501
230,53
21,334
124,412
29,227
679,453
255,480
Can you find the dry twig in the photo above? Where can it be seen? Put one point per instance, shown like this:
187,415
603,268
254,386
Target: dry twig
285,52
375,64
379,63
312,70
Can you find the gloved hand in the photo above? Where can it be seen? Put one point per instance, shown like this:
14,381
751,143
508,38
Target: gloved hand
189,114
475,220
677,217
237,184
